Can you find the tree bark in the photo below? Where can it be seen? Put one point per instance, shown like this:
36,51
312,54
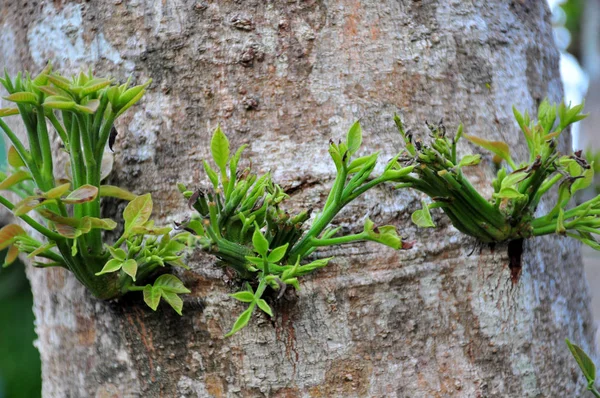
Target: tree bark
440,320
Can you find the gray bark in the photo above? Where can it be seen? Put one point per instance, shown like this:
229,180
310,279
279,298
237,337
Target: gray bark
284,77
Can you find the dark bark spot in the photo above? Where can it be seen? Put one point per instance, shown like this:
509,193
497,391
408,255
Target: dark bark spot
515,256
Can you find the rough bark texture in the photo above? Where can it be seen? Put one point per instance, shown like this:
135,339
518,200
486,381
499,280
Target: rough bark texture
284,77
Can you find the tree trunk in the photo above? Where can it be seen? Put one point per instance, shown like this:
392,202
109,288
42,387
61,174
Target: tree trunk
440,320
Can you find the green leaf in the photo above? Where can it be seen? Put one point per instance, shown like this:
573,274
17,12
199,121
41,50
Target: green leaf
242,321
116,192
130,268
219,147
137,212
14,159
244,297
261,244
422,217
262,304
354,138
152,296
94,85
58,191
170,283
8,112
509,193
499,148
277,253
469,160
15,178
212,176
23,97
118,254
27,204
112,265
173,299
583,360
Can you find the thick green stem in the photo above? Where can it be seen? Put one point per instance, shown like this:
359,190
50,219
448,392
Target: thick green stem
44,139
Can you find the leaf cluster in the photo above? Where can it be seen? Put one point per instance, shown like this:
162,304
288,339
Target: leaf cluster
241,219
81,111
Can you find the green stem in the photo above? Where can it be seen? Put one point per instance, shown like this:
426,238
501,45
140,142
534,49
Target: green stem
338,240
58,127
44,139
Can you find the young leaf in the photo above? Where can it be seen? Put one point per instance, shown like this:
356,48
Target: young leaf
58,191
277,253
497,147
354,138
242,321
170,283
262,304
8,112
130,267
8,234
137,212
23,98
14,179
261,244
112,265
118,254
173,299
27,204
14,159
116,192
422,217
219,147
152,296
583,360
11,256
85,193
469,160
244,297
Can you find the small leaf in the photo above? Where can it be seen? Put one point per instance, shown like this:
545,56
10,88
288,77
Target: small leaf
242,321
90,107
509,193
262,304
15,178
8,112
101,223
583,360
244,297
219,147
130,267
94,85
469,160
498,147
261,244
152,296
23,97
354,138
41,249
14,159
173,299
137,212
27,204
422,218
142,230
170,283
112,265
67,231
11,256
118,254
8,234
116,192
277,253
58,191
85,193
